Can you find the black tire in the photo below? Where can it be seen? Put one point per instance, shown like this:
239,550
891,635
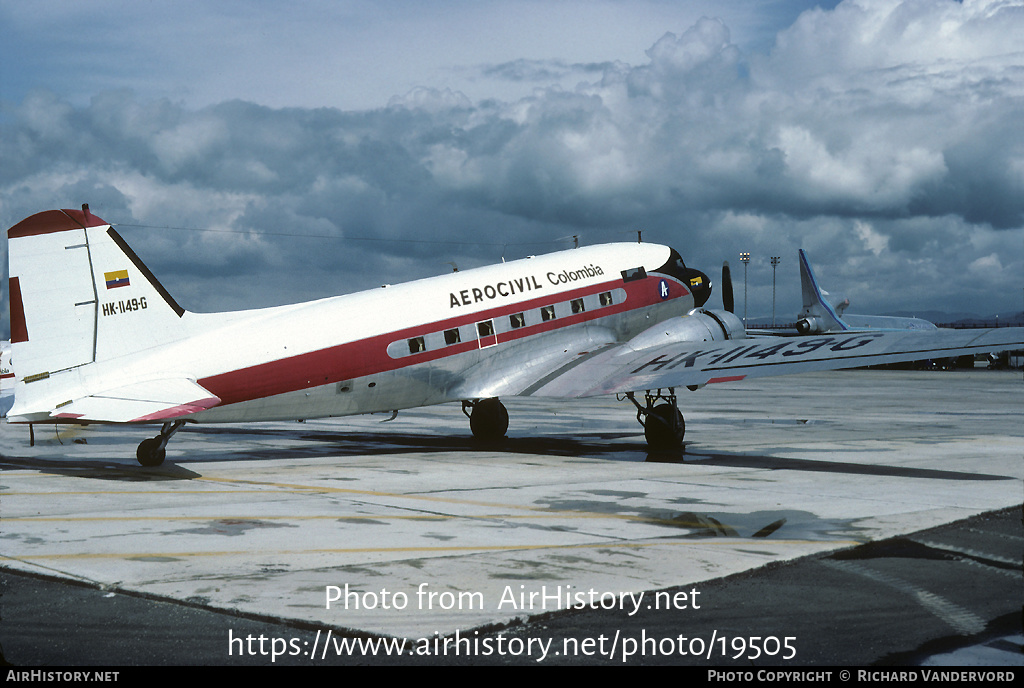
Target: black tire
658,428
150,453
489,420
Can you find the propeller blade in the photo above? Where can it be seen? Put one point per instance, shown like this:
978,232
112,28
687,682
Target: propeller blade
727,300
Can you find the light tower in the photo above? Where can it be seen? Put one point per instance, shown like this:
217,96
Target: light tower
775,263
745,258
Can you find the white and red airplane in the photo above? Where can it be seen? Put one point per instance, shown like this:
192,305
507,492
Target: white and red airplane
97,339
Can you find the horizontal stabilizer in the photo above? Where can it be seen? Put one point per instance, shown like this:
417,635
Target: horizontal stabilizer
140,402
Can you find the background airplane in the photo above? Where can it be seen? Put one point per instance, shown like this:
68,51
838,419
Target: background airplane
820,315
97,338
6,379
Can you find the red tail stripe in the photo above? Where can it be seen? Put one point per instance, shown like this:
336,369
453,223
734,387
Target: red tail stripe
19,330
50,221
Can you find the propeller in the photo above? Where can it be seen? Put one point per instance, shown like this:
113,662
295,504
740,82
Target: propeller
727,299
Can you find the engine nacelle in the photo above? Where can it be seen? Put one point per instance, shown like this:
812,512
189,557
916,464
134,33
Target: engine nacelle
811,325
699,325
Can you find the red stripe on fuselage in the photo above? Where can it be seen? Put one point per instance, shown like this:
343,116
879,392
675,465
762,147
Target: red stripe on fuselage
369,356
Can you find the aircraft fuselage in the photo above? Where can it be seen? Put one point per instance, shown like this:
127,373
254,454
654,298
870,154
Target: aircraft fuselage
423,342
472,334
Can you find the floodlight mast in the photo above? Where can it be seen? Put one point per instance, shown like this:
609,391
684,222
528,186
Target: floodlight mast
775,263
744,258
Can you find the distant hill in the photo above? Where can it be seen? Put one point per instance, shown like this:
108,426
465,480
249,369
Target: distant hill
1007,319
941,318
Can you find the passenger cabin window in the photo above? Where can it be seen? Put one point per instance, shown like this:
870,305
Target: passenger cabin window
606,298
577,306
547,313
633,274
416,345
485,328
452,336
517,320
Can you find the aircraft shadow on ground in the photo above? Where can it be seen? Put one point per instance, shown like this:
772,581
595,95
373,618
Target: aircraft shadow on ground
304,443
609,445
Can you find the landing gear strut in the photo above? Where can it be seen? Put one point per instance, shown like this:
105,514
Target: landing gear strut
151,452
663,423
488,419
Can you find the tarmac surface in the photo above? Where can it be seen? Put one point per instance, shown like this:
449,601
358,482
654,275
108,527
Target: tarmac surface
839,518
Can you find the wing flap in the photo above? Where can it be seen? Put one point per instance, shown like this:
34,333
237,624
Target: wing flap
680,364
140,402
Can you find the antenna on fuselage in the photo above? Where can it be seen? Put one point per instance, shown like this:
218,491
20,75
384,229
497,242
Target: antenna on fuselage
639,238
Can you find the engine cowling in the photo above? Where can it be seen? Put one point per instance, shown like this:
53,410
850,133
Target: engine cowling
699,325
811,325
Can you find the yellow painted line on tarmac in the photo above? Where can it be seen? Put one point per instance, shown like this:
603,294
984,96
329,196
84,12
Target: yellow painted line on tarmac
12,493
234,520
731,542
399,495
534,512
307,489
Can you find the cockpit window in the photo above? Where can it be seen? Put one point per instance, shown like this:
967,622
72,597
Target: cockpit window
633,274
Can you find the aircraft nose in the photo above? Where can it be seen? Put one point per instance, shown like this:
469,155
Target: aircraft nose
699,285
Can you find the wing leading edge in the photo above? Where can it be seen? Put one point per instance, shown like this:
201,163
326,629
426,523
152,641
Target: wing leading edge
687,363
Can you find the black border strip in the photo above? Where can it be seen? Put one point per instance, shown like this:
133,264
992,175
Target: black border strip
123,245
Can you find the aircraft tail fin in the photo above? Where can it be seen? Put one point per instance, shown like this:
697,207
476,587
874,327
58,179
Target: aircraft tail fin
818,315
80,295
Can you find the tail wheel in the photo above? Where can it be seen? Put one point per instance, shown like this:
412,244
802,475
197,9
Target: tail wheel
489,420
660,431
150,453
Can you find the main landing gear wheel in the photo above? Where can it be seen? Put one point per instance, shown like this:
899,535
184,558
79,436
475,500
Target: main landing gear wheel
152,452
660,431
488,419
663,423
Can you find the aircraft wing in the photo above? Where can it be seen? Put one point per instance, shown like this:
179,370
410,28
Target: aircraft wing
623,368
149,401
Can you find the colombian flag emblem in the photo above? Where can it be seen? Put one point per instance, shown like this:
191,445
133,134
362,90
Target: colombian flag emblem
118,278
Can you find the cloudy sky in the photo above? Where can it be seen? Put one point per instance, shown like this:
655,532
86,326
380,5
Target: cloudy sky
258,153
